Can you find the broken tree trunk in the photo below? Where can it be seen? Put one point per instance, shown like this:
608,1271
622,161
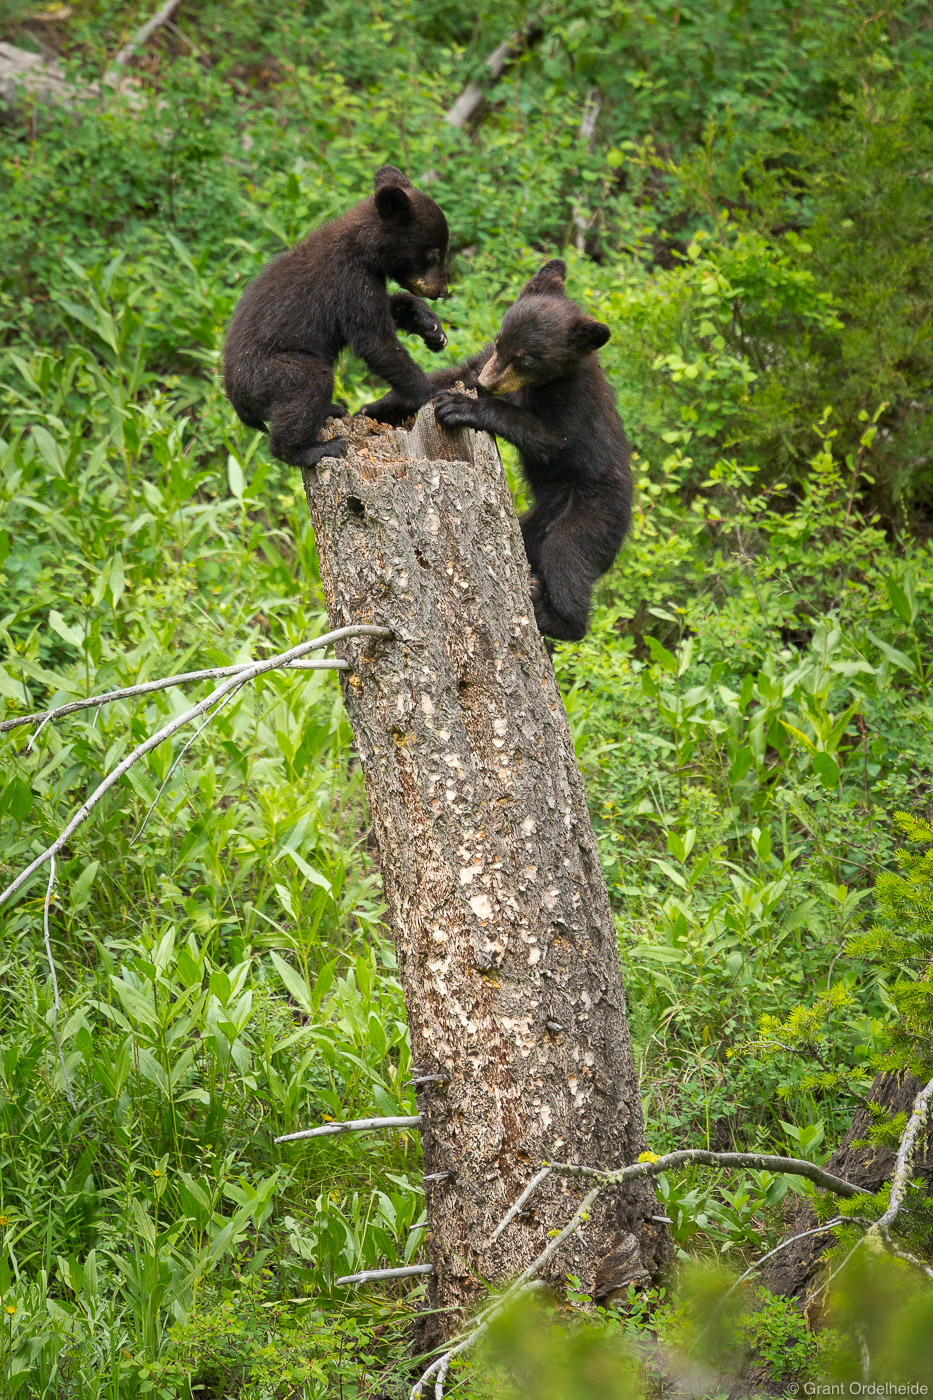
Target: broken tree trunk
505,939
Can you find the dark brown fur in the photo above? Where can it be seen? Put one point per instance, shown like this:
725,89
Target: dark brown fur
549,396
414,316
330,292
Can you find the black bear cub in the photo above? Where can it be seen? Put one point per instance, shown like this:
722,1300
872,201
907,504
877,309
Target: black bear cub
328,292
548,395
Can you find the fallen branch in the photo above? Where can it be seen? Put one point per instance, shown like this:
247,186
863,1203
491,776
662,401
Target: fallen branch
138,40
353,1125
501,58
250,672
42,717
23,73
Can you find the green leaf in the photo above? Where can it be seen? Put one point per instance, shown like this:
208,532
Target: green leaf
150,1069
16,798
741,763
13,690
669,871
49,450
137,1007
235,477
308,871
900,601
294,983
188,968
661,656
827,769
896,658
81,889
194,843
67,634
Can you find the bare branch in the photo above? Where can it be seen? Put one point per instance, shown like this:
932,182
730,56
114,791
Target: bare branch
442,1377
473,95
906,1255
255,669
138,40
792,1239
591,110
353,1125
522,1284
761,1161
510,1215
792,1166
919,1119
441,1364
910,1141
374,1275
48,951
214,673
580,1215
184,749
821,1288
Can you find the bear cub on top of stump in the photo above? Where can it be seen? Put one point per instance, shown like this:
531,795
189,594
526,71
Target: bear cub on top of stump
543,389
329,292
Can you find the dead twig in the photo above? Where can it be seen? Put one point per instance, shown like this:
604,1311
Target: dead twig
374,1275
129,692
250,672
353,1125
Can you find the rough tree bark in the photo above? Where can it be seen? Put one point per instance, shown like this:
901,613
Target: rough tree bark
503,930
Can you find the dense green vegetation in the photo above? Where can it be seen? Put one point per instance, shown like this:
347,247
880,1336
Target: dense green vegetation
751,708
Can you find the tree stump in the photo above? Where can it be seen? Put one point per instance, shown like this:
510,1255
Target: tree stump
505,939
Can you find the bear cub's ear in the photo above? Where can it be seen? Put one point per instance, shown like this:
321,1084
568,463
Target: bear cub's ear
391,175
391,193
588,334
547,281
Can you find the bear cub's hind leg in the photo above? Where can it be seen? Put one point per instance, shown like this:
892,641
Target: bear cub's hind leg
303,403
